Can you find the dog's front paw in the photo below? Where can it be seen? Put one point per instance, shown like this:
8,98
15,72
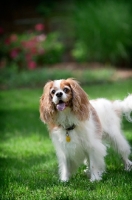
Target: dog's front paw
64,179
96,176
128,165
87,172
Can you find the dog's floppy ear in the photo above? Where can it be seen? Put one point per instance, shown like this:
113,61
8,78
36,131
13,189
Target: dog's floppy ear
80,101
46,108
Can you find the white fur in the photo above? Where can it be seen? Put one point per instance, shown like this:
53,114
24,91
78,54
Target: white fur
84,145
57,85
86,138
110,117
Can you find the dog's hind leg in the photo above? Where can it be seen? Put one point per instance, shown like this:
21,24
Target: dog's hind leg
120,144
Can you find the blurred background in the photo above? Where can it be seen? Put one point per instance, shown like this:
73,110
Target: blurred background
48,39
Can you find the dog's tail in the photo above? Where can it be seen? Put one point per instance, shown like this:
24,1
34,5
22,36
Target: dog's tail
125,107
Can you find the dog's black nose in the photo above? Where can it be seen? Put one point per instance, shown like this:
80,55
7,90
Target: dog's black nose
59,94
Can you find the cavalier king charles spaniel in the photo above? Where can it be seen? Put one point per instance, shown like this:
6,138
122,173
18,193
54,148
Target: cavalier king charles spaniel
78,127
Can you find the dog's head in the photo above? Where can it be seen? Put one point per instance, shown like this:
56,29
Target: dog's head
62,94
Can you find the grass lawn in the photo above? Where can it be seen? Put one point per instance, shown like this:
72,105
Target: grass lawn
28,164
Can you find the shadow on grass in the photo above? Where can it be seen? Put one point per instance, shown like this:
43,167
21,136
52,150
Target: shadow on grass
23,122
33,171
45,166
33,174
127,127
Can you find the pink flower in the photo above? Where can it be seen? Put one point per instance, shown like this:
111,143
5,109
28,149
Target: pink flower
7,41
32,65
33,50
28,57
41,51
29,43
41,37
39,27
14,53
13,38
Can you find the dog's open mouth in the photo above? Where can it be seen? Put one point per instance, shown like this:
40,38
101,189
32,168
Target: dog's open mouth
61,105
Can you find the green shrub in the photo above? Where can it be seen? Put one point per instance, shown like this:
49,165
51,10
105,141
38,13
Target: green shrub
53,50
12,78
103,31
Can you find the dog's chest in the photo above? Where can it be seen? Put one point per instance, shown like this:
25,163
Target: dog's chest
73,149
66,119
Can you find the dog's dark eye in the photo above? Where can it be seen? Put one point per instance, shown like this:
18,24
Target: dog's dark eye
66,90
53,92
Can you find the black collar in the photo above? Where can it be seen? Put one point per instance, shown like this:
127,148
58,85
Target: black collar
70,128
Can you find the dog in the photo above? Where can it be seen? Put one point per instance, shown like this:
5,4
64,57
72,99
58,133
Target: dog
78,126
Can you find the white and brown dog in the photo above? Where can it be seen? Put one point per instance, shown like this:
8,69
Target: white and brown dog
78,126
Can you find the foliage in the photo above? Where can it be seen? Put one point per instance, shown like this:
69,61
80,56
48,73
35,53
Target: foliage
46,8
103,31
31,49
12,78
88,31
28,164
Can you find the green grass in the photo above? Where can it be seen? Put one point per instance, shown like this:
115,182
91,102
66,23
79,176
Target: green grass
28,164
10,78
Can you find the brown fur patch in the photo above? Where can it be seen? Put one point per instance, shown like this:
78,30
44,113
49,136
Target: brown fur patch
47,109
80,103
65,84
118,112
97,121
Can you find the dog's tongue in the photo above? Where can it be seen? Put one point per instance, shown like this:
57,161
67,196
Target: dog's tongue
61,106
